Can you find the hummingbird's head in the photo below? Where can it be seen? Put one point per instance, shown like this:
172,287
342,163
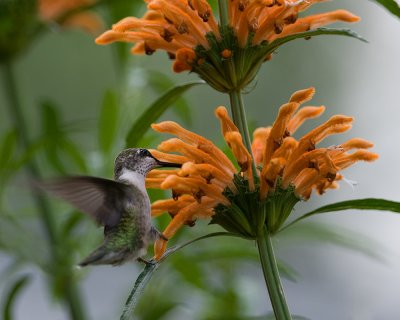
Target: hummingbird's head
140,161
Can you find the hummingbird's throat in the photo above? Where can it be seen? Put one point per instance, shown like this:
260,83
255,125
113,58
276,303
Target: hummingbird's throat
133,177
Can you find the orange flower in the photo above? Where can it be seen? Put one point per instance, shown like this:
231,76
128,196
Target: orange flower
53,10
188,31
209,186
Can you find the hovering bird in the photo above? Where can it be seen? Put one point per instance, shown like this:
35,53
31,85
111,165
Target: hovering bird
122,206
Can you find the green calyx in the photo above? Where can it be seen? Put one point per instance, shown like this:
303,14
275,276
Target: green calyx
247,214
278,206
233,72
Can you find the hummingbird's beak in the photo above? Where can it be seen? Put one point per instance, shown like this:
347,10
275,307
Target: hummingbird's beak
169,164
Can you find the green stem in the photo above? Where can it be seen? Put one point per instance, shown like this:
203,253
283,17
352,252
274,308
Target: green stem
271,276
72,296
264,243
223,12
239,118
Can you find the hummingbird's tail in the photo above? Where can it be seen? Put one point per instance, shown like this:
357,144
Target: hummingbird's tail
103,255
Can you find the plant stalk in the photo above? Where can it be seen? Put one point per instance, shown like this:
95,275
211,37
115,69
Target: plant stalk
271,276
71,292
264,243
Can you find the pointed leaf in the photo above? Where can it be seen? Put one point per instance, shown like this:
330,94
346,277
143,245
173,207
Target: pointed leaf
391,6
11,295
154,111
161,82
7,148
316,32
108,121
137,290
149,271
52,134
361,204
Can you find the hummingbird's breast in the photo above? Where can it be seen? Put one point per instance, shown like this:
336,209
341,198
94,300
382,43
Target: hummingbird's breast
136,217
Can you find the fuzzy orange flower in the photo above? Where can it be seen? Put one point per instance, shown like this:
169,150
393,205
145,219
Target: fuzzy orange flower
209,186
53,10
189,32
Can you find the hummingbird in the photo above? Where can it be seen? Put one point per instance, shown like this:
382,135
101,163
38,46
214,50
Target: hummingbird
121,205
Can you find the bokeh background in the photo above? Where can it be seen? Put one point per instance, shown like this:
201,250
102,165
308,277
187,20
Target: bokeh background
337,266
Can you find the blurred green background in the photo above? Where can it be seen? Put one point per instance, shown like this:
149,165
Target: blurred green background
337,266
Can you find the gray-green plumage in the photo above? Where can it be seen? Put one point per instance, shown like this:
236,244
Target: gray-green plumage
122,206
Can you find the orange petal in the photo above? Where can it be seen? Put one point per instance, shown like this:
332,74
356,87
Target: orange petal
235,143
227,124
316,21
279,131
336,124
286,149
205,145
208,172
356,143
347,160
302,115
269,176
168,157
260,136
293,168
194,186
170,205
302,96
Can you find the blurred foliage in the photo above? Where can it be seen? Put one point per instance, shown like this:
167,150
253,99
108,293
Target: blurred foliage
18,25
183,284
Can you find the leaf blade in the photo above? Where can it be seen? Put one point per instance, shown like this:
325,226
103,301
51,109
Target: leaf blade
391,5
12,294
149,270
155,110
316,32
108,121
360,204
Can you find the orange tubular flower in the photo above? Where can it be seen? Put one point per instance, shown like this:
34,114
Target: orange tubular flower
188,31
209,186
53,10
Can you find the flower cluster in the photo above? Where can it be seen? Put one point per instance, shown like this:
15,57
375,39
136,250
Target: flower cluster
227,57
209,186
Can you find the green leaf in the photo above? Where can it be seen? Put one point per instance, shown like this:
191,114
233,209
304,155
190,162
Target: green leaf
108,121
7,148
52,134
160,82
316,32
361,204
154,111
149,271
12,294
137,290
391,6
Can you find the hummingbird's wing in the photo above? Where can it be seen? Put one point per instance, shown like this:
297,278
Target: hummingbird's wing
101,198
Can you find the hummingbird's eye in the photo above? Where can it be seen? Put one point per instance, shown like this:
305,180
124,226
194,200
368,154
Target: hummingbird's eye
144,153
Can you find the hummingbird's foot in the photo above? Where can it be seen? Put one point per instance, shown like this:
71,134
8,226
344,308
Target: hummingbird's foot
146,262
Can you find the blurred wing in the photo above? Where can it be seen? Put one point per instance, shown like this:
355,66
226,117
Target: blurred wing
102,199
